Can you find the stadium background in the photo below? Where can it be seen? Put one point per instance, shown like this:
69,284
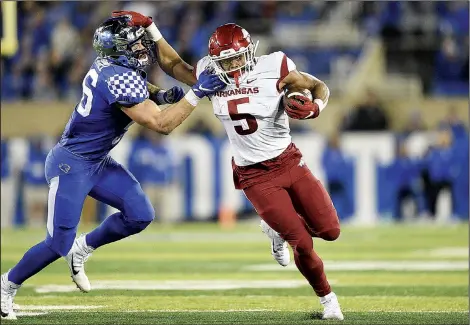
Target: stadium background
398,74
392,148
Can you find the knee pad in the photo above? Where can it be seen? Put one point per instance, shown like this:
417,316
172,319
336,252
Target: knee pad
304,245
61,240
137,208
330,234
134,226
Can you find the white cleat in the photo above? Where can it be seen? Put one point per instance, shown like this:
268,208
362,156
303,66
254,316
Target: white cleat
279,249
331,307
76,259
8,292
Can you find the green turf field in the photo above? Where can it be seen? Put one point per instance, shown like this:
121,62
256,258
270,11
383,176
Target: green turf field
199,274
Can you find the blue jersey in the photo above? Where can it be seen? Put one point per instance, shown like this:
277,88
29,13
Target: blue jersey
97,123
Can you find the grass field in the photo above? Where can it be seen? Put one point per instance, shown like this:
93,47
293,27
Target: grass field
200,274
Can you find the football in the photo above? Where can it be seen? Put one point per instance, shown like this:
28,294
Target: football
298,91
305,108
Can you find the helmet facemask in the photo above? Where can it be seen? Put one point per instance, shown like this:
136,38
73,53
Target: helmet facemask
114,40
239,74
148,50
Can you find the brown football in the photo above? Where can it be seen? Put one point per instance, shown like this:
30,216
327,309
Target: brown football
297,113
298,91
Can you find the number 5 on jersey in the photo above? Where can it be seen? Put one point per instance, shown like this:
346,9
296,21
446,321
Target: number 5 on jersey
84,107
235,116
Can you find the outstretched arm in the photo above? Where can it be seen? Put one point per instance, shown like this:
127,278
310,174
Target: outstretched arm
296,79
173,65
153,89
299,106
168,59
148,114
162,97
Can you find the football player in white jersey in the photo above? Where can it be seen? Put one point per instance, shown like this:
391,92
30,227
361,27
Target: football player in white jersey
268,167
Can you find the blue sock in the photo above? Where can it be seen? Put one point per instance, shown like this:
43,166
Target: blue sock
33,261
114,228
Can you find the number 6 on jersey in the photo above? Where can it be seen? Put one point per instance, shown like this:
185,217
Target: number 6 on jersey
84,107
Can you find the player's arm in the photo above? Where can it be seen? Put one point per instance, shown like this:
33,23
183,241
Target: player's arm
297,105
303,80
173,65
153,89
148,114
162,97
168,59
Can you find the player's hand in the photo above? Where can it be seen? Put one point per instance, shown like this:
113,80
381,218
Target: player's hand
301,107
136,19
207,84
173,95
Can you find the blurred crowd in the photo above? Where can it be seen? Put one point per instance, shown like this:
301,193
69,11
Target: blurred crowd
55,38
409,30
426,38
409,187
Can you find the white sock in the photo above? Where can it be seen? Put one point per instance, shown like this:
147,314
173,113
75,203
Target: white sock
327,297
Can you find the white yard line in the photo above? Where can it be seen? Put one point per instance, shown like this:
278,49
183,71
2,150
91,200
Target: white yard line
443,252
280,310
22,314
37,310
177,285
372,266
199,310
58,307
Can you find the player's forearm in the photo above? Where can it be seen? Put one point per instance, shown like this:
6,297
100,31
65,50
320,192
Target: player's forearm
169,60
173,65
179,70
149,115
317,87
156,94
183,72
153,90
170,118
320,91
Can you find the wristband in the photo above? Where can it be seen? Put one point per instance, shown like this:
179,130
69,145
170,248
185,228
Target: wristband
155,34
320,103
192,98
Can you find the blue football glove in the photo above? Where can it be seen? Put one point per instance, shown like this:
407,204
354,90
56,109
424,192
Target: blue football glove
170,96
207,84
173,95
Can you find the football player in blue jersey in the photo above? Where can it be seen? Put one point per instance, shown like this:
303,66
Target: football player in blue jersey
115,95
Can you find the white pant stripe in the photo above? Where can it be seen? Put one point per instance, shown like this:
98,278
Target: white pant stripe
54,185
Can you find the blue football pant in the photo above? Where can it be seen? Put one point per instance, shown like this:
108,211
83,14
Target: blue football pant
71,179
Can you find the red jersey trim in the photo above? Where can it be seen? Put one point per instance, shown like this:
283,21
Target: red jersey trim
195,71
284,72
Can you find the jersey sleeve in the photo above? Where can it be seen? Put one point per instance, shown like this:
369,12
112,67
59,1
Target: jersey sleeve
124,86
285,65
201,65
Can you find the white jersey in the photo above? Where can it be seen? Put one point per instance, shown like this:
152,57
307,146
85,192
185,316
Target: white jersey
256,125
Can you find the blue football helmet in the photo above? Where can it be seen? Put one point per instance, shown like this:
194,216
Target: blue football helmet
115,38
